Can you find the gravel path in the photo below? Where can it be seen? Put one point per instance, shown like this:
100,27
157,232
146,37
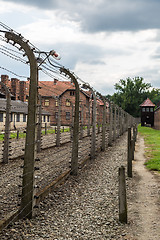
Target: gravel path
53,162
143,198
84,207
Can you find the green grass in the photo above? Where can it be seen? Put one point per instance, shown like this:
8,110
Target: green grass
50,131
23,135
13,135
152,142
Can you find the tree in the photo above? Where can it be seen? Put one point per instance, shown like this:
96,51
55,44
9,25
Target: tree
154,95
130,94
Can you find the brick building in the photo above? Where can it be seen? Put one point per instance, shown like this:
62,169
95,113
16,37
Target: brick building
50,92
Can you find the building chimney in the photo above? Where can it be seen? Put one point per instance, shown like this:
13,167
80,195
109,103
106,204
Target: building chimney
5,79
55,81
22,91
15,87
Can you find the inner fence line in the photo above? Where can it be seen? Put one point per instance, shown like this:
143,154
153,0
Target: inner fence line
78,106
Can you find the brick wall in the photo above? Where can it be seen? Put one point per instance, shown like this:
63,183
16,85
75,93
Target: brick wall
67,108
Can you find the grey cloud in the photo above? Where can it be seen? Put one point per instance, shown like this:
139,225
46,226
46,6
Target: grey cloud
157,56
105,15
73,53
122,15
47,4
151,75
96,62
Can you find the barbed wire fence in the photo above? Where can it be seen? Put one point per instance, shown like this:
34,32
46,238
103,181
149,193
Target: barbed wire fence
48,158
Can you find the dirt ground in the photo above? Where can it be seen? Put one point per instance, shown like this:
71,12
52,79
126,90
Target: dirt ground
144,199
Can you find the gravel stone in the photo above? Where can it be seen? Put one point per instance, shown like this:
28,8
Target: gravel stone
84,207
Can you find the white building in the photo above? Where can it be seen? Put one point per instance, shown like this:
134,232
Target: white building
18,117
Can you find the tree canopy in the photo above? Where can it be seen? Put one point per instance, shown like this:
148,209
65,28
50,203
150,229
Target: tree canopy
130,93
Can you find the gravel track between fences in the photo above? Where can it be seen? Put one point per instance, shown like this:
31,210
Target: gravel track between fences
84,207
53,162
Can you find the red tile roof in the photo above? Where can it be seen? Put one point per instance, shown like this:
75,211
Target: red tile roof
147,103
50,88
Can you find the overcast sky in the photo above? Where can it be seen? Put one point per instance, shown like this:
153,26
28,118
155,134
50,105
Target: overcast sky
102,41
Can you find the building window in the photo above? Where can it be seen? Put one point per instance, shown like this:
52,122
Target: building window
68,104
143,109
67,115
56,103
72,93
87,115
47,118
1,117
147,109
46,102
56,115
44,118
18,117
151,109
24,117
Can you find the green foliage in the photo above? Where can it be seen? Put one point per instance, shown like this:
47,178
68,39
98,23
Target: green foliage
13,135
152,141
130,94
153,95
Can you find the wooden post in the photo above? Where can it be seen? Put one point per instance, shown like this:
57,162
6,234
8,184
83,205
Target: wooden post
115,120
93,135
110,124
27,200
39,124
89,119
129,155
123,122
81,126
45,128
104,126
72,122
58,136
132,149
134,135
120,122
103,146
74,157
17,134
122,196
7,124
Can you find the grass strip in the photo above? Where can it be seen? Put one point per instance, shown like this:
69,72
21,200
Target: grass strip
152,142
